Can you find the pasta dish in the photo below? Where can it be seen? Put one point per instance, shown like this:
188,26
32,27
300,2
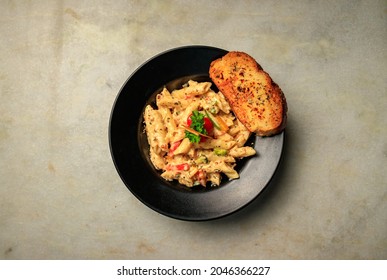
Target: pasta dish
193,135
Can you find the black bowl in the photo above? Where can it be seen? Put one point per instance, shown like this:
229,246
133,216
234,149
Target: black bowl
130,150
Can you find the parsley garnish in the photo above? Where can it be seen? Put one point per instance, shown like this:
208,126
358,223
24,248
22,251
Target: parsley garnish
197,124
192,137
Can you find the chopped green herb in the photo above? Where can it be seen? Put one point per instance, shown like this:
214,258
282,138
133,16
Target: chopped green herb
220,152
192,137
201,159
196,122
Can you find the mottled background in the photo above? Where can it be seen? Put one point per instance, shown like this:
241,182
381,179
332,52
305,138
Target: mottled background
62,64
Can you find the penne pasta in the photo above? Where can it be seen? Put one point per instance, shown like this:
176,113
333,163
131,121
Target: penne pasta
169,123
192,89
155,129
241,152
216,143
157,159
184,147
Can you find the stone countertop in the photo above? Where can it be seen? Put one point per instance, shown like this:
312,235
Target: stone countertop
62,65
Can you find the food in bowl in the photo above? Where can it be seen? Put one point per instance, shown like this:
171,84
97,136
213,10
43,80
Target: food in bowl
193,135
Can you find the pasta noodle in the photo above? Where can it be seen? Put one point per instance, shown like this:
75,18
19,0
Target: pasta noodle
176,155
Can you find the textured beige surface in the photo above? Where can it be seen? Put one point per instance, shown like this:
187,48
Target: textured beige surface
62,64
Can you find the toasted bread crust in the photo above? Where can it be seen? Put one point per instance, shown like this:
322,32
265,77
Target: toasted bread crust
255,99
